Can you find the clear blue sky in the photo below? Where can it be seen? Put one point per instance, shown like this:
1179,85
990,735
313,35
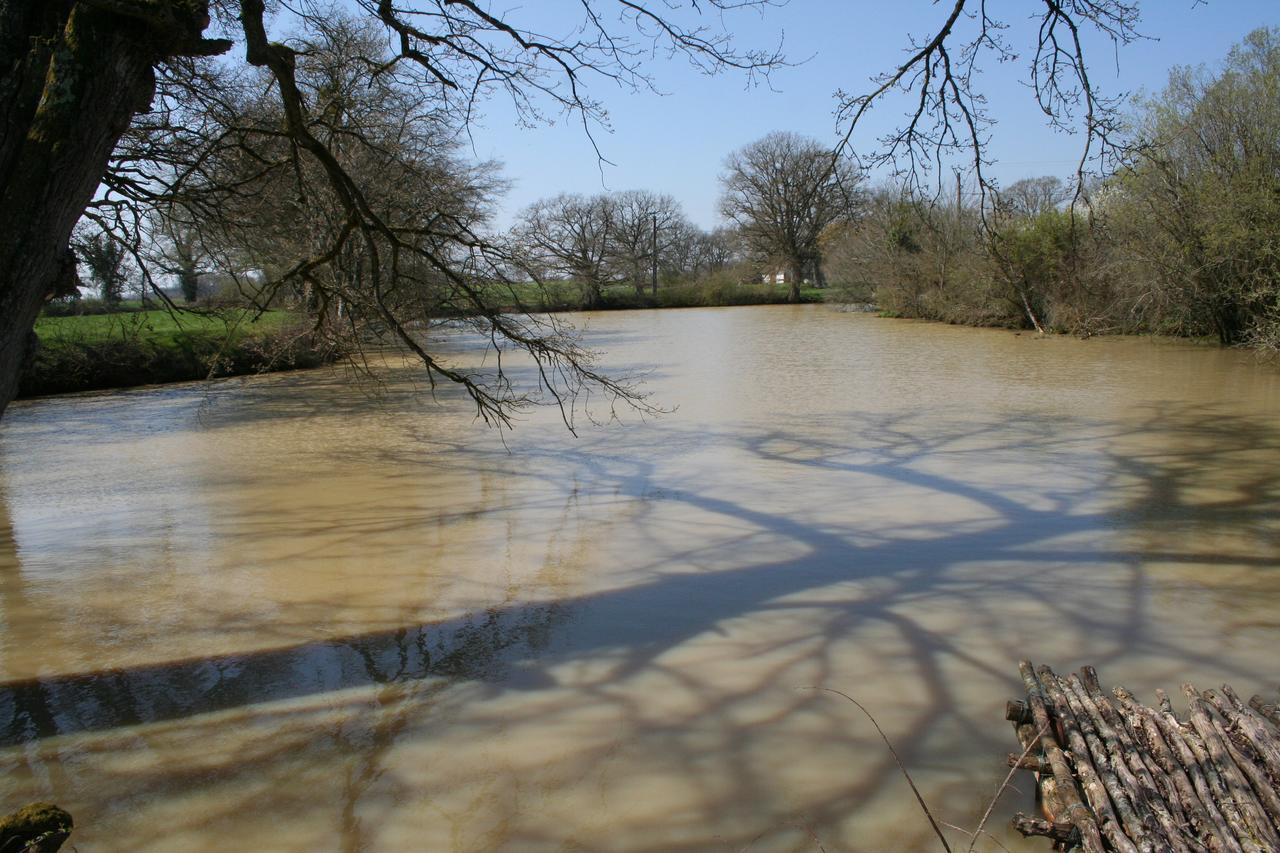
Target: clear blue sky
676,143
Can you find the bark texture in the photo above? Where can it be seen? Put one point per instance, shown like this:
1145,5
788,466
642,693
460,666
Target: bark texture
75,72
1145,779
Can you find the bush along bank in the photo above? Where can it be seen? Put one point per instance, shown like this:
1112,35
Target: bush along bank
71,357
703,295
712,292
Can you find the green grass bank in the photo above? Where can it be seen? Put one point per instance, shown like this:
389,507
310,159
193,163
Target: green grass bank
96,351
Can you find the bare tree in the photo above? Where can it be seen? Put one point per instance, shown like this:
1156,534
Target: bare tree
717,250
608,238
681,251
644,227
403,156
568,236
79,71
1031,197
948,113
105,259
179,252
781,192
688,252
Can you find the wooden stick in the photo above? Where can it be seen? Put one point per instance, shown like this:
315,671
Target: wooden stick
1074,809
1119,775
1160,788
1237,792
1096,789
1017,712
1252,726
1148,803
1047,786
1267,710
1029,762
1134,816
1205,772
1034,826
1212,790
1174,758
1262,786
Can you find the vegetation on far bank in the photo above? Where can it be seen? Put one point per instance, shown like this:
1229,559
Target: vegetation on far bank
159,326
1183,239
710,292
95,351
84,348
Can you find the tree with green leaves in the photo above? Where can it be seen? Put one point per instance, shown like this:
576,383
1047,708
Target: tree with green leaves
1198,206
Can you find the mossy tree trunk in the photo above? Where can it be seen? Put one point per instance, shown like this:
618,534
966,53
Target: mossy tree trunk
74,74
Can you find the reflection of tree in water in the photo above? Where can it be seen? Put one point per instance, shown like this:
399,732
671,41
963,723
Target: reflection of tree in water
845,587
471,647
31,711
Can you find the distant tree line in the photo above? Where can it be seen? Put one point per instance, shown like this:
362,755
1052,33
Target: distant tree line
633,238
315,162
780,194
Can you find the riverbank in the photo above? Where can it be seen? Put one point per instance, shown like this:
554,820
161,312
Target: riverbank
96,351
99,351
559,297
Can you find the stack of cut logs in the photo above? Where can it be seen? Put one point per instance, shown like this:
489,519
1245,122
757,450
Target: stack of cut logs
1115,774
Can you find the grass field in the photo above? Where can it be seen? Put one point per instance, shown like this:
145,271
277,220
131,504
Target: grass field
159,326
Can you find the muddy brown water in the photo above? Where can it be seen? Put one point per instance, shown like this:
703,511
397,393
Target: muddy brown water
290,613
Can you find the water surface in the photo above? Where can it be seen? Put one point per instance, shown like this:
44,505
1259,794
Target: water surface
300,613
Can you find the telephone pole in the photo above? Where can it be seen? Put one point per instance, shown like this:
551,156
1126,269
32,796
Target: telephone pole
654,280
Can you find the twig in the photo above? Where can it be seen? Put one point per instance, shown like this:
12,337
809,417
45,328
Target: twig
920,799
975,833
1000,791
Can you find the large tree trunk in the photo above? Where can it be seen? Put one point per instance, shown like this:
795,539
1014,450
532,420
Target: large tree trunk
73,77
795,273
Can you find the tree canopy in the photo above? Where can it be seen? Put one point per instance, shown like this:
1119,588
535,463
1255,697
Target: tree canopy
783,191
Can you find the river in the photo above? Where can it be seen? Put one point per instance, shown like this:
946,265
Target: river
299,612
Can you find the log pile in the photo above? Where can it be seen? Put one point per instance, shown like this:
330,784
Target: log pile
1114,774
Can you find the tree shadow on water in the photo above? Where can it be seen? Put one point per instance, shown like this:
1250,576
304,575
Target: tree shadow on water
1038,538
